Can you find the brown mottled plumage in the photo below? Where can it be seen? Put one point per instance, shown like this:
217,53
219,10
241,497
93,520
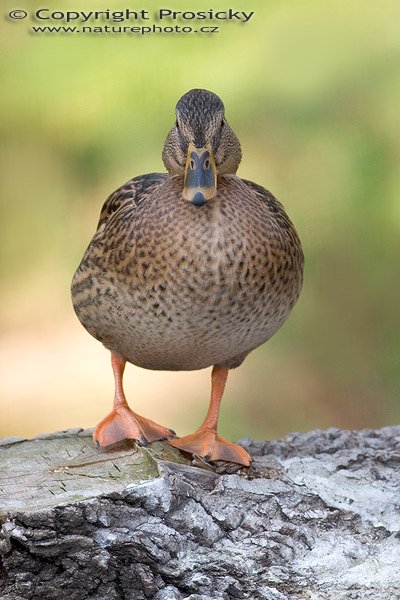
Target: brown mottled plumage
166,284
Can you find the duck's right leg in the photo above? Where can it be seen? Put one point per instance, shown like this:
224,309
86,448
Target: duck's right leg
122,423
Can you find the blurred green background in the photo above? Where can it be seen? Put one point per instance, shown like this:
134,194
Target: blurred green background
312,90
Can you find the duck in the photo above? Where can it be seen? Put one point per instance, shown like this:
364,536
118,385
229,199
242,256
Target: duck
188,269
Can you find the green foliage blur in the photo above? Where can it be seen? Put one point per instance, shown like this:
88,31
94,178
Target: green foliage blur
312,90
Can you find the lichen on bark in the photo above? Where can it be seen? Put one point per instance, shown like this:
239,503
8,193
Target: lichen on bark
317,518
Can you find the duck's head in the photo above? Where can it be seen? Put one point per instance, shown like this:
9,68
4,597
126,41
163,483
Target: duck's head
201,145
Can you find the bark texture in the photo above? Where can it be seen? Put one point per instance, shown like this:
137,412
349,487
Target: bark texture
316,518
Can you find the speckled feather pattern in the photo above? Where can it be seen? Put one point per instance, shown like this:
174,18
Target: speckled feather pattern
170,286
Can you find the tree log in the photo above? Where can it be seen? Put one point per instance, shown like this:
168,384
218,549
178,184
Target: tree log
316,517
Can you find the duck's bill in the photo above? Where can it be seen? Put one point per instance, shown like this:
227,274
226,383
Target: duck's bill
200,182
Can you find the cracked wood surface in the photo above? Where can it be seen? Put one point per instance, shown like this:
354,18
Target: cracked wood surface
316,518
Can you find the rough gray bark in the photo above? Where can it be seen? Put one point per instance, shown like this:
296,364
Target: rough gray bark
317,517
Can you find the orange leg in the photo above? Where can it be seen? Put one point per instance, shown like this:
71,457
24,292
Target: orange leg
122,423
205,442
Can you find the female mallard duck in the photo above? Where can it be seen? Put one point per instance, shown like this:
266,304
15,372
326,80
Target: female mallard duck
188,269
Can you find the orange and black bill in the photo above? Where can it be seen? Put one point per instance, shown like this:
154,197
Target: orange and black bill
200,182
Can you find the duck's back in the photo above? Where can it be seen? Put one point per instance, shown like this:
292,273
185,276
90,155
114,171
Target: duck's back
170,286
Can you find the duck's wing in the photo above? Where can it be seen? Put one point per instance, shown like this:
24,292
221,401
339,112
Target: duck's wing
274,206
281,228
129,195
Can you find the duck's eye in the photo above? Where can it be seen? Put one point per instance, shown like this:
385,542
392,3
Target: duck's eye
177,125
222,123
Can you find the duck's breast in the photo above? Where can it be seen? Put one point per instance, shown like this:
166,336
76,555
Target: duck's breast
187,287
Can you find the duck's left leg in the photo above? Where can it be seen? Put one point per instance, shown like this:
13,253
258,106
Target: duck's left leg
205,442
122,423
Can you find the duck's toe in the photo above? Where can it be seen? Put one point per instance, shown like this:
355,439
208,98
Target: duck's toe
210,446
122,423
